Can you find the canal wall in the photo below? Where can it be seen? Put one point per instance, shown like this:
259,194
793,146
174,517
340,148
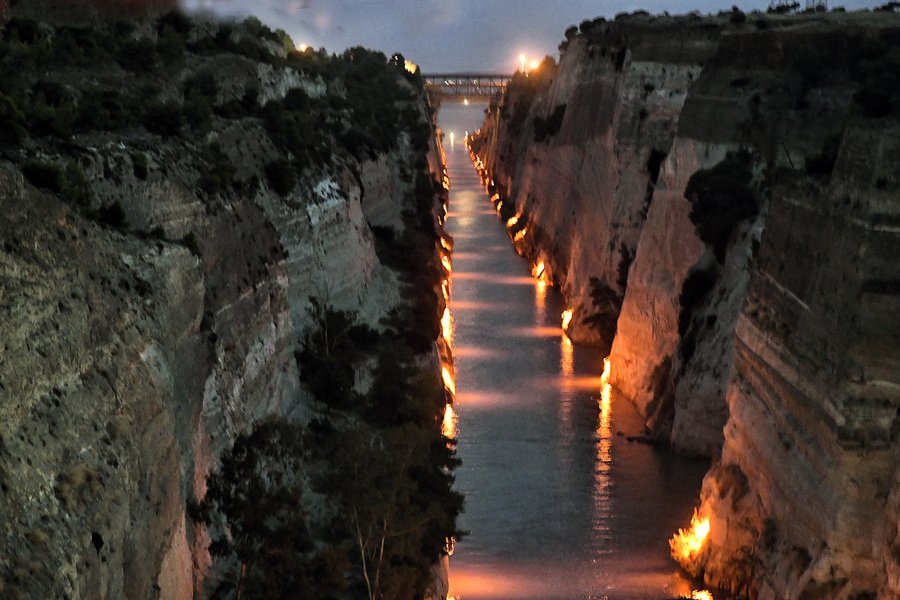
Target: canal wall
155,292
717,200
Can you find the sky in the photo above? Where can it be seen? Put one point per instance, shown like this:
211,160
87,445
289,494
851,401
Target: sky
454,35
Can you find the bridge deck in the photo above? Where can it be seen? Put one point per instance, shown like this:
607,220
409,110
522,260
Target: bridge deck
471,85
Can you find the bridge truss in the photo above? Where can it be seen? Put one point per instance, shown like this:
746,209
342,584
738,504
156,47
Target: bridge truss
466,85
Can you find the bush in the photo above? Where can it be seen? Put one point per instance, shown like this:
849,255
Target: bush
48,176
70,181
105,110
737,16
138,56
164,119
720,198
220,174
139,165
281,177
823,163
12,123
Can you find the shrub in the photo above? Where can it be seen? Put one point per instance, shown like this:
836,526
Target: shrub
139,165
138,56
69,182
113,215
823,162
164,119
219,175
281,177
12,123
48,176
720,198
737,16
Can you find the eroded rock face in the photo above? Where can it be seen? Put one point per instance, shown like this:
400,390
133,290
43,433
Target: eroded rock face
132,353
769,345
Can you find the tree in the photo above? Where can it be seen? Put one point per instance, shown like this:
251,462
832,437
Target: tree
254,507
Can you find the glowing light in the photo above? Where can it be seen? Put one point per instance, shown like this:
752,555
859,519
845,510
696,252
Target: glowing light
520,235
512,221
303,47
499,206
445,289
604,378
688,543
411,66
522,60
566,318
449,548
447,326
534,65
445,260
448,380
699,595
495,198
465,101
446,244
448,425
538,270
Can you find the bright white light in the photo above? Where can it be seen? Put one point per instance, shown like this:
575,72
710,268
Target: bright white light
522,59
465,101
452,140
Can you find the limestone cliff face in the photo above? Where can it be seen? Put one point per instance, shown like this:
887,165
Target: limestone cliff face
135,348
780,333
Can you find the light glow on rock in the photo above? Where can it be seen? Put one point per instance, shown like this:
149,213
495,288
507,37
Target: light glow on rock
448,266
447,326
511,222
520,235
688,543
566,318
538,270
448,425
448,380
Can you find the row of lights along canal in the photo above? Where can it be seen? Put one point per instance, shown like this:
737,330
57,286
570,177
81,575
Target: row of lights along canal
509,507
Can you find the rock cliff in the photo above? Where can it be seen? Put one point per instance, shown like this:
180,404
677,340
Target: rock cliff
162,234
717,200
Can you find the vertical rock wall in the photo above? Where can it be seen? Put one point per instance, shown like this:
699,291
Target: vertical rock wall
132,355
774,351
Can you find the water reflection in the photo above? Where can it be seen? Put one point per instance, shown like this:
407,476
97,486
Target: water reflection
558,505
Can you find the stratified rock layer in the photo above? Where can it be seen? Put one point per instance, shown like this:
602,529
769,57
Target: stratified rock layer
135,348
783,362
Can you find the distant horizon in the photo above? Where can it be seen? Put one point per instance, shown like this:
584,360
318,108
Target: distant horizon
454,35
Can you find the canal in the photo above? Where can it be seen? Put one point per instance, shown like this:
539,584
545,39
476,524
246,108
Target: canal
559,503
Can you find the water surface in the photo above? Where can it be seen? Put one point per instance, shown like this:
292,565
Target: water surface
559,504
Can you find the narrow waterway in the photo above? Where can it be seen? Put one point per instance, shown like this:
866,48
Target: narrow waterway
559,504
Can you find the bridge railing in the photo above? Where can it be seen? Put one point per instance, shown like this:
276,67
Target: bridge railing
469,85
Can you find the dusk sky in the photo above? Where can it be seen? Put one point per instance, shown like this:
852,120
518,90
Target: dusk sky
454,35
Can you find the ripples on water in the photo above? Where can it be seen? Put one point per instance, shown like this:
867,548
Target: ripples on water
558,503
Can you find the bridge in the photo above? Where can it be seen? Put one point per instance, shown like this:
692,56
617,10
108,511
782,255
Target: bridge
466,85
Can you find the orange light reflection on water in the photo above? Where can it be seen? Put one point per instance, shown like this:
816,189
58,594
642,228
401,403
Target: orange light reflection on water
447,326
566,358
604,459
